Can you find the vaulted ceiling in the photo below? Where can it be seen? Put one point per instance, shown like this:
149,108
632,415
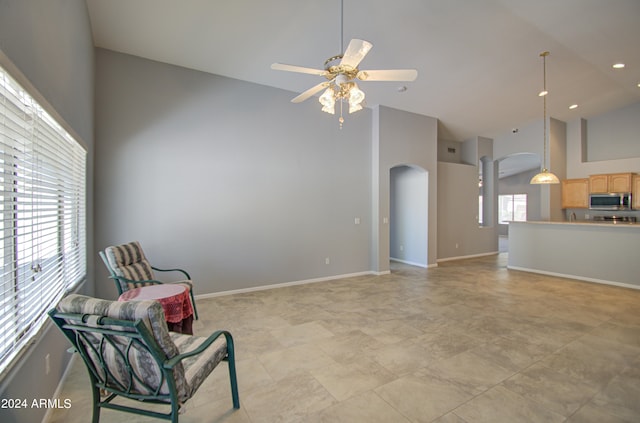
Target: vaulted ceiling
479,70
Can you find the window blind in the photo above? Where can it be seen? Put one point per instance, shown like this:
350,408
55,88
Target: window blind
43,206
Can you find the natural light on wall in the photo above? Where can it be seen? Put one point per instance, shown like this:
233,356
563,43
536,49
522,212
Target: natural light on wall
43,205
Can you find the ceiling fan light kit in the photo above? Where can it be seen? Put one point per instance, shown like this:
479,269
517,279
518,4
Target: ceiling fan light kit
341,72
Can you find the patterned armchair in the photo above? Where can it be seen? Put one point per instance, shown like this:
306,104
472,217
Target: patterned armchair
130,353
129,268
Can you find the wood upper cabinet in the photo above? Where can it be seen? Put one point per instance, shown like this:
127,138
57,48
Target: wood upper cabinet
636,192
611,182
598,183
575,193
620,182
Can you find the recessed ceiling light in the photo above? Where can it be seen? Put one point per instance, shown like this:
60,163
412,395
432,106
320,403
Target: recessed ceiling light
543,93
618,66
573,106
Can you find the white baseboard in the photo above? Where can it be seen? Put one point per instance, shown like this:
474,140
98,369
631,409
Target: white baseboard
285,284
469,256
580,278
58,390
410,263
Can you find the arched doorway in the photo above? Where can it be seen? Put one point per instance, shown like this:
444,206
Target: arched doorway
408,226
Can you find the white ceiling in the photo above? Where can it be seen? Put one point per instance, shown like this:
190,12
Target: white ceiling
478,63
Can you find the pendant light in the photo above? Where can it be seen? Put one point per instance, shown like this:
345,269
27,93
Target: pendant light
544,177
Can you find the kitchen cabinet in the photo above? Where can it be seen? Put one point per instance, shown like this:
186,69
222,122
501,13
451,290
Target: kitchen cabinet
575,193
636,192
611,182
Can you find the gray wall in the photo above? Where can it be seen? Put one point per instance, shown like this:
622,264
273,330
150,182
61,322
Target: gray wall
529,139
459,234
227,179
618,132
400,138
49,42
450,151
583,136
567,250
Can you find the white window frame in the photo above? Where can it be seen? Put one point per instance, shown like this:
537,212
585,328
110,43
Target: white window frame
43,206
513,199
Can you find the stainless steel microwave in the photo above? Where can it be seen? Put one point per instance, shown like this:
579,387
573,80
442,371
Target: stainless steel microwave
610,201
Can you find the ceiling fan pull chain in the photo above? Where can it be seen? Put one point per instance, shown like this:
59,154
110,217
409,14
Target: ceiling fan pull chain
342,26
341,76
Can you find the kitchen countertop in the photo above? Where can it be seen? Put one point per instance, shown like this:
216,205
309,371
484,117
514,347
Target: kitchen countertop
634,225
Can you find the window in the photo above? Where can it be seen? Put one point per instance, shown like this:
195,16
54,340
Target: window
480,207
512,208
43,205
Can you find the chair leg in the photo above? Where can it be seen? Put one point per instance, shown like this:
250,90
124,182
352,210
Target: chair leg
193,303
231,360
175,411
96,408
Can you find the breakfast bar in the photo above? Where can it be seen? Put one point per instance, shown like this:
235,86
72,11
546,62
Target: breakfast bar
596,252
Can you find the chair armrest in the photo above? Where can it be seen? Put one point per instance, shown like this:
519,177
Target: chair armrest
169,364
184,272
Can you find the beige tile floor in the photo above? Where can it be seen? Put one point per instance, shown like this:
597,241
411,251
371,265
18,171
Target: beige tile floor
468,341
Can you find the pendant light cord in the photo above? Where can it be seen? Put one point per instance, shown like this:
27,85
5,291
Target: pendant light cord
544,177
544,103
544,55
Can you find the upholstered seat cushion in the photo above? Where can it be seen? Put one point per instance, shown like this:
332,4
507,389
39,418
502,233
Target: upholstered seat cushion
143,363
198,367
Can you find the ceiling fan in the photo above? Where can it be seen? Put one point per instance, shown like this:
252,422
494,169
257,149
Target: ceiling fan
341,73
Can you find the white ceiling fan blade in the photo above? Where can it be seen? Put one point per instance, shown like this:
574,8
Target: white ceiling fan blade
299,69
310,92
355,52
388,75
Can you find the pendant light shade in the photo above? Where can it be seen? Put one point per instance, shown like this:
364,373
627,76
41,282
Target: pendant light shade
544,177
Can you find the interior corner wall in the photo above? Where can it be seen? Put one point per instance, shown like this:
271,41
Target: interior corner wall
469,153
459,234
450,151
529,139
402,138
227,179
50,43
616,132
599,134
